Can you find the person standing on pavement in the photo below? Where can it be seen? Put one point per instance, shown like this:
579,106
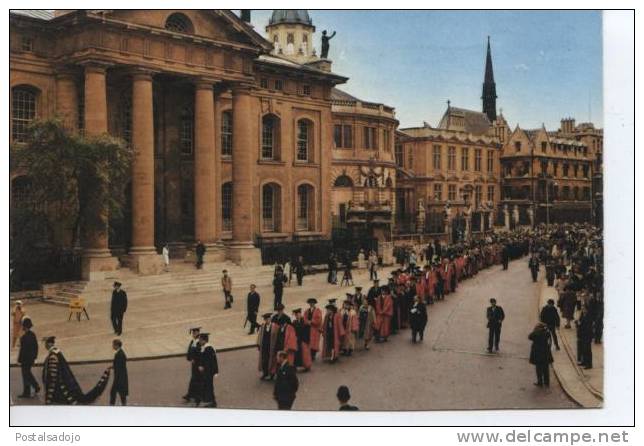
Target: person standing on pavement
26,358
550,316
384,314
278,288
200,251
505,256
533,264
286,384
495,316
541,354
299,270
166,256
16,318
209,369
252,309
417,319
367,320
194,352
118,308
313,317
303,335
584,339
344,396
265,346
227,288
372,264
119,366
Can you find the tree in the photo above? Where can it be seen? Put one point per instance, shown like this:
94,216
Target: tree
75,181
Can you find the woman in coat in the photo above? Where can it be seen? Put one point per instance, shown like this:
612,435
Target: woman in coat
540,353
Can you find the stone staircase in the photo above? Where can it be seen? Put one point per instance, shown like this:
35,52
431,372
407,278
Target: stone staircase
182,279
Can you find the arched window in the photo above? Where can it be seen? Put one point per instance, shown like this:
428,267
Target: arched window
271,210
178,23
270,137
305,208
23,111
187,131
343,181
304,140
227,133
227,206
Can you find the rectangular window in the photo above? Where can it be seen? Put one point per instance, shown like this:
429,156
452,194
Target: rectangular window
278,85
187,133
477,160
337,135
544,167
27,43
398,152
438,192
565,170
268,138
347,136
544,146
268,222
490,161
227,207
451,158
478,195
490,193
436,157
386,135
23,112
263,82
227,134
302,141
410,158
451,192
306,90
465,158
370,138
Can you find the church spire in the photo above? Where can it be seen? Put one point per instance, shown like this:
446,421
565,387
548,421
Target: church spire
489,86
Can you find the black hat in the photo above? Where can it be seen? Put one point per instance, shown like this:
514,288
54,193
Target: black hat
385,289
311,301
332,301
224,271
297,310
50,339
279,307
204,336
348,302
117,283
267,315
330,307
26,322
349,295
358,288
195,329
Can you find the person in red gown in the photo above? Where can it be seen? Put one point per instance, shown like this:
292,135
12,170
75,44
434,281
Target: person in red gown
384,313
313,316
332,332
303,336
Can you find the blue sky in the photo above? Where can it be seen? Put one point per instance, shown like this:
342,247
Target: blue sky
547,65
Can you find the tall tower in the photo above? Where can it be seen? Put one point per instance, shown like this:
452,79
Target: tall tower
291,32
489,87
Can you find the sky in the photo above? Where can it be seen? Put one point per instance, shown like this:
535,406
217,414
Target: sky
547,64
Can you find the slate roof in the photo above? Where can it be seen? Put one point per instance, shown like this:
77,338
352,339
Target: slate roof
476,122
339,95
41,14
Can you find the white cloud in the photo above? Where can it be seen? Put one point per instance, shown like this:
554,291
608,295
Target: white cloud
521,67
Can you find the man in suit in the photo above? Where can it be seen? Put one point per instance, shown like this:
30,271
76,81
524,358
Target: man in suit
119,366
200,251
26,358
278,287
495,316
286,384
505,256
208,368
550,316
252,309
118,308
533,264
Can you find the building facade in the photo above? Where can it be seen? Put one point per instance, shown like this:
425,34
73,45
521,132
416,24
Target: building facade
233,143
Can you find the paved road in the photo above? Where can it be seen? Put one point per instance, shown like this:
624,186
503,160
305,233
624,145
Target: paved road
450,370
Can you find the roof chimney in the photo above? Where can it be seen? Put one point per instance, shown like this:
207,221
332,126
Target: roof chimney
245,15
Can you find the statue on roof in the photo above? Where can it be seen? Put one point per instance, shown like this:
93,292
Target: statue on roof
325,44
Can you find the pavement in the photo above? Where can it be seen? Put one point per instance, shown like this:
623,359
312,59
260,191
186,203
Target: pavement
450,369
157,325
585,386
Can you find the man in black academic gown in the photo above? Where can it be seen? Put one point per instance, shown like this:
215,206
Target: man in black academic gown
252,308
119,365
209,369
26,358
495,317
194,352
200,251
118,308
505,256
550,316
264,346
278,287
533,264
374,291
286,384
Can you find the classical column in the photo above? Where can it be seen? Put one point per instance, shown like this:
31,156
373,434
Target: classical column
97,258
205,172
143,256
506,217
67,99
245,140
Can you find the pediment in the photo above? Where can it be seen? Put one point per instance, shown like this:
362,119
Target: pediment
218,25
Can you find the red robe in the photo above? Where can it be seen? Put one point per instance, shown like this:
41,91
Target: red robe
447,276
304,349
338,333
315,320
459,268
384,313
290,344
421,290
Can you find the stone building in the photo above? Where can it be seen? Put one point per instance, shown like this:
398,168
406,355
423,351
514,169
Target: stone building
233,143
548,176
448,177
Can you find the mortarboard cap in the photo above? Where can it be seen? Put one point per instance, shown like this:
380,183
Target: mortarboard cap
195,329
267,315
204,336
279,307
49,339
117,283
297,310
311,301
